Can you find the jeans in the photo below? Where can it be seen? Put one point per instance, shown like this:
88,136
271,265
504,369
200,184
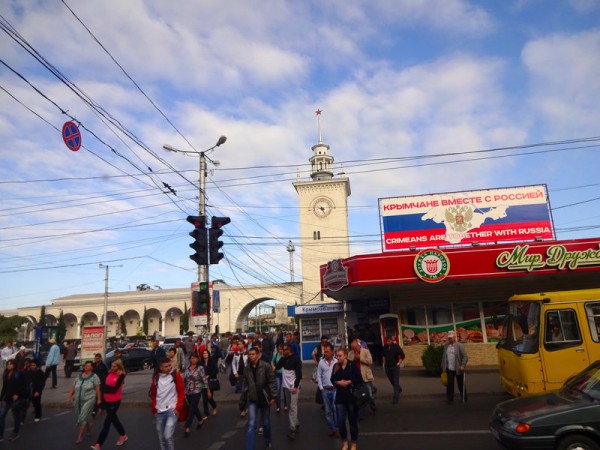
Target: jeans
193,401
8,405
329,405
278,380
253,410
393,374
165,426
51,370
350,410
111,409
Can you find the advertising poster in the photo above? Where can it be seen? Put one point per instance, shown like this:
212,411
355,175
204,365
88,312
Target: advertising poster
486,216
93,340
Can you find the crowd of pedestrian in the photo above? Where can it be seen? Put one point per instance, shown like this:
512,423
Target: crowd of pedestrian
264,370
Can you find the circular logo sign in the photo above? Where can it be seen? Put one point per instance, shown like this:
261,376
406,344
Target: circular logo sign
71,136
432,265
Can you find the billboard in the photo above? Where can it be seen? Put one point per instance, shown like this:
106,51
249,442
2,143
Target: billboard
455,218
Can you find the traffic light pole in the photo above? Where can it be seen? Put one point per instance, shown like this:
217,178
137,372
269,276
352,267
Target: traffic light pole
203,268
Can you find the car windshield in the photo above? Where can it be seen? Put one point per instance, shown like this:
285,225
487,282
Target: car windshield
586,384
521,327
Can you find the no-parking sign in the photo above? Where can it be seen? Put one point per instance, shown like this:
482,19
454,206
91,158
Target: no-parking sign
71,136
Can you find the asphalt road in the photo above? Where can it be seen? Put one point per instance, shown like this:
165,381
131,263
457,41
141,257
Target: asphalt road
419,424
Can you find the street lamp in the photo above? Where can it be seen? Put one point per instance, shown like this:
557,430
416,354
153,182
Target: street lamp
203,268
291,249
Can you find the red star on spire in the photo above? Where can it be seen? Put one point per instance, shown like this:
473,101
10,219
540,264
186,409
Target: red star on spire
318,112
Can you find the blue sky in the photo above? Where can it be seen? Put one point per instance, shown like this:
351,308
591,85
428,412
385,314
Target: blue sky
395,79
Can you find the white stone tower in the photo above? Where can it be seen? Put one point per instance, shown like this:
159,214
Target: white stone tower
323,205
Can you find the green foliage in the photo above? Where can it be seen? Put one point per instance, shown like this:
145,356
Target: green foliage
62,327
42,319
432,359
185,319
123,326
145,322
9,326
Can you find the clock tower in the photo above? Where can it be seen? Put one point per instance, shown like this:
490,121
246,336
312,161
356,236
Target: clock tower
323,202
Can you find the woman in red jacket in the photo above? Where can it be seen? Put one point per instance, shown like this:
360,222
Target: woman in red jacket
112,393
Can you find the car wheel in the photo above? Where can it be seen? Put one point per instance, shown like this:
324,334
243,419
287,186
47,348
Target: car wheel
577,442
146,365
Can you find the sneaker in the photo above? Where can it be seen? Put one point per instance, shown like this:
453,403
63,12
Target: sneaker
14,437
260,430
121,440
37,419
95,447
291,434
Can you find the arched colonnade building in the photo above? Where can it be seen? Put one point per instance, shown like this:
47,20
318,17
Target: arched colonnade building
164,308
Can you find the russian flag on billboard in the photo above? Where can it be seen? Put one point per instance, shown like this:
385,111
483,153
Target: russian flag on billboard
455,218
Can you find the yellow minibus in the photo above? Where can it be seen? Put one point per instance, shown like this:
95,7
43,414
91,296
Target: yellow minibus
547,338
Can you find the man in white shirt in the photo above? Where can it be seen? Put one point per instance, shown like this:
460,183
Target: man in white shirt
6,352
168,394
324,370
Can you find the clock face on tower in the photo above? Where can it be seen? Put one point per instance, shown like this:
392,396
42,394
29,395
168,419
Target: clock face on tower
322,207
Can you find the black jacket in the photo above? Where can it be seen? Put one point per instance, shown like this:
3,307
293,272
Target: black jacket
15,384
260,382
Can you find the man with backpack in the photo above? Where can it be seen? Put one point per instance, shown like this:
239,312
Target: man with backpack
168,394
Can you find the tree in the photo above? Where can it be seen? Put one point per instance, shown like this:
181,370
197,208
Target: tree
145,322
123,326
185,319
42,319
62,327
9,327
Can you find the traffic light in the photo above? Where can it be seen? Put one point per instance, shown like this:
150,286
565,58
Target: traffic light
214,233
201,300
200,244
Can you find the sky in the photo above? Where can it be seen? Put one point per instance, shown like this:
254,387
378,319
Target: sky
418,97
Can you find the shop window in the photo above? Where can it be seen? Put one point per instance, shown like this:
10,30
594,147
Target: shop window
493,316
439,319
592,311
468,322
413,323
562,330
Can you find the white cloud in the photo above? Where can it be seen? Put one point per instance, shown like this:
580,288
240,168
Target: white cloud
565,81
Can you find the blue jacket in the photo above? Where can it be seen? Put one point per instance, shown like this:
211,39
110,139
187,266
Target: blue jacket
53,357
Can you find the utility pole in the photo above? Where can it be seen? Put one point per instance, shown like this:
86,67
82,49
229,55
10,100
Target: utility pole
104,319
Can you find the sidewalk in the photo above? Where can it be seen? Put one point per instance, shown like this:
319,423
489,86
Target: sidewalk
415,382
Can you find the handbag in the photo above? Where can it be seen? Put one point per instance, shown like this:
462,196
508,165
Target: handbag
183,411
361,395
214,385
444,378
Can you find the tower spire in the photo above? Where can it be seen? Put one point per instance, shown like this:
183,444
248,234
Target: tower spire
318,114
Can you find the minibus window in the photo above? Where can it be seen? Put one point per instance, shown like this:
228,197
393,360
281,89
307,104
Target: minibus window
562,329
521,330
592,311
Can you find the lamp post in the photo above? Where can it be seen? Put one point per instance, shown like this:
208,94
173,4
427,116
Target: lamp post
291,249
104,321
202,269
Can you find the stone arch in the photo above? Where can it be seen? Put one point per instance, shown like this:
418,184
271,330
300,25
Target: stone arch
172,322
245,311
51,319
154,317
71,326
112,323
132,322
89,318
